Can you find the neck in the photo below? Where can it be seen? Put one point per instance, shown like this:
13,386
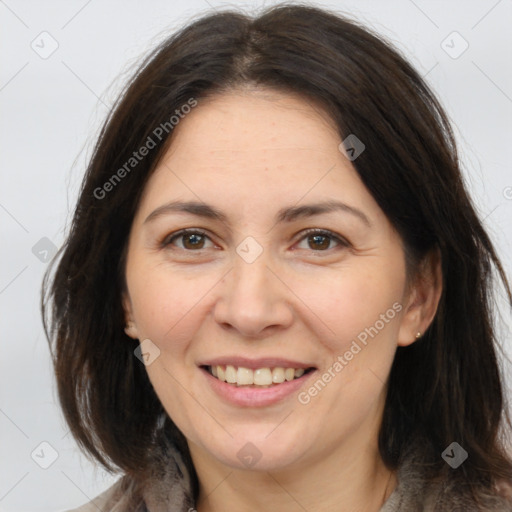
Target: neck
362,483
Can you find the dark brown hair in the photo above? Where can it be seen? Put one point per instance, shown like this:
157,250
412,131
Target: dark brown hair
445,387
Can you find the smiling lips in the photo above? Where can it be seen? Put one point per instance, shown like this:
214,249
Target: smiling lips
255,373
262,382
264,377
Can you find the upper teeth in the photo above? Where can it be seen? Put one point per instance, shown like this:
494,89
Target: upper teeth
260,377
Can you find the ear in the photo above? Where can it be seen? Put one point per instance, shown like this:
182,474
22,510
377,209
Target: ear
423,299
130,326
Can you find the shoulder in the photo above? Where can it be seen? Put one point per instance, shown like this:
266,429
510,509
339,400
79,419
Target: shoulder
100,502
118,497
168,486
417,492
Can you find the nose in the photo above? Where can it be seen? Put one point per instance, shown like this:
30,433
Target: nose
253,299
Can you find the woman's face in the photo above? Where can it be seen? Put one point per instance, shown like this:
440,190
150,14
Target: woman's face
256,296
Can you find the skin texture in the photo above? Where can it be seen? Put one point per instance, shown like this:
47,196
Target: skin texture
250,153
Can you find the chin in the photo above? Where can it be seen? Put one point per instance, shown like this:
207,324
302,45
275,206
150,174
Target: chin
257,450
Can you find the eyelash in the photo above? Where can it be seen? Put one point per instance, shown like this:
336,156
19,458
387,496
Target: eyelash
308,232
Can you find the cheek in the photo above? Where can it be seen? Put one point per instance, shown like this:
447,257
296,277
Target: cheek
166,303
354,302
360,312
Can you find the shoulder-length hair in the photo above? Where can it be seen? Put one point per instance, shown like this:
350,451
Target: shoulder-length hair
445,387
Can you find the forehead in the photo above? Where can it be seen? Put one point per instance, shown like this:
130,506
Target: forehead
252,120
253,150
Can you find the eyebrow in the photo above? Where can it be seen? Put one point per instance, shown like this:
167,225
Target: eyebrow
287,214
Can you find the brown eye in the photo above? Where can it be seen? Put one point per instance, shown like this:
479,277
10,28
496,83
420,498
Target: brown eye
191,240
320,241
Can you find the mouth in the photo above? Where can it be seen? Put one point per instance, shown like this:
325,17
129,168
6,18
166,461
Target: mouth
264,377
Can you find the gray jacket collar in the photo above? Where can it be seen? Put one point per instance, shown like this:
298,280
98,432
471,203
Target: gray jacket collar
170,490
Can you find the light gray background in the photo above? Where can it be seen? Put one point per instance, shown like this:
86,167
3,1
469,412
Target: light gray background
51,109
